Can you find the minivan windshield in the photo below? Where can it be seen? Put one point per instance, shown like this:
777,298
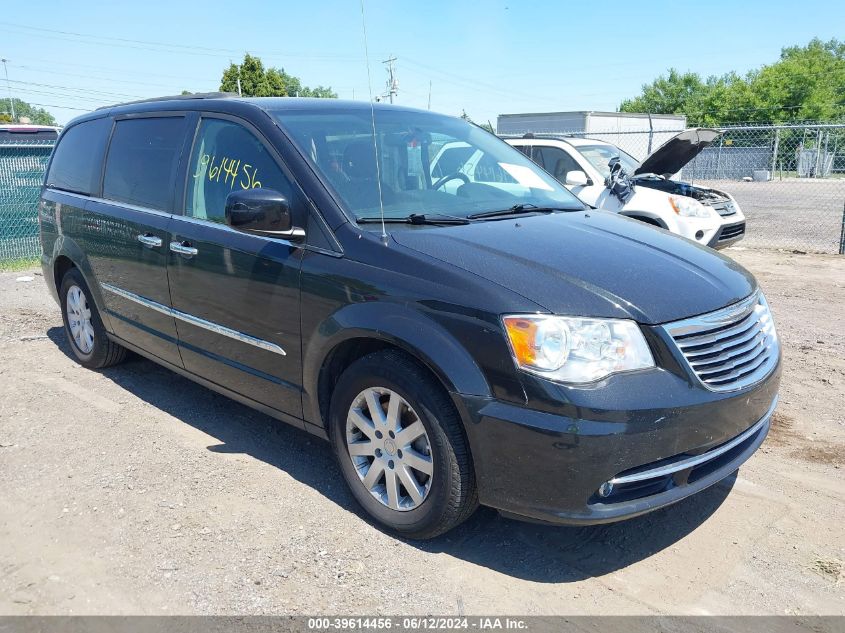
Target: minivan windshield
600,155
428,164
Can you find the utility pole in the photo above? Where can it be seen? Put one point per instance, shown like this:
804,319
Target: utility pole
429,94
9,87
392,82
238,78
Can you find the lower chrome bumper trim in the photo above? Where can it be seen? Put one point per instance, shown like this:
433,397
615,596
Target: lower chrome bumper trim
696,460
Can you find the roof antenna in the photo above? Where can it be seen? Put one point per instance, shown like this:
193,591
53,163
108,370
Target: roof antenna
373,120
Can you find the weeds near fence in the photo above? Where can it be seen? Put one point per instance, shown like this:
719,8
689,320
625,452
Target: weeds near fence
17,265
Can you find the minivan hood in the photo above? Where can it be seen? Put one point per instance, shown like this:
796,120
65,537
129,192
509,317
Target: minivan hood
592,263
671,157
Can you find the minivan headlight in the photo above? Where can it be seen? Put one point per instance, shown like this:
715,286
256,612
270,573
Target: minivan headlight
573,349
689,207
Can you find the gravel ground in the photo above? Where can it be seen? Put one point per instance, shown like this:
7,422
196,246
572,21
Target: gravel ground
791,214
135,491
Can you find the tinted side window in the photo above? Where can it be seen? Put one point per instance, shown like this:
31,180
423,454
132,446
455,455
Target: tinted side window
78,157
558,163
525,149
142,161
227,157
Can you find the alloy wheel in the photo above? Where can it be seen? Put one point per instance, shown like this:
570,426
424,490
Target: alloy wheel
389,448
79,319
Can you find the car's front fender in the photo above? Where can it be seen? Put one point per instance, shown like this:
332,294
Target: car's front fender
399,325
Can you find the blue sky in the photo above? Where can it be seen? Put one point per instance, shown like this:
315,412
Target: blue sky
487,57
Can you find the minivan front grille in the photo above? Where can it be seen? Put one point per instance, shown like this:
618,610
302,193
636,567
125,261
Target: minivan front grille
731,348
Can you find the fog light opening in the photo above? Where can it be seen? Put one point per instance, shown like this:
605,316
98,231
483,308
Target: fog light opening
605,489
699,235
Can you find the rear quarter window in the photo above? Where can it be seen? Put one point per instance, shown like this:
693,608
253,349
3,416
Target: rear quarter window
78,157
142,160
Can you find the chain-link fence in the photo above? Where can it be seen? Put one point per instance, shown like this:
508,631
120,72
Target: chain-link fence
789,180
22,165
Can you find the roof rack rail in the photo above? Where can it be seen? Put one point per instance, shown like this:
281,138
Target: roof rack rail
553,136
542,135
195,95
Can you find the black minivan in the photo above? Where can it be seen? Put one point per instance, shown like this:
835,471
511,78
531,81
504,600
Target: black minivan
465,333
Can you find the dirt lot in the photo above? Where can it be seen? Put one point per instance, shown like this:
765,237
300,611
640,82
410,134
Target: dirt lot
136,491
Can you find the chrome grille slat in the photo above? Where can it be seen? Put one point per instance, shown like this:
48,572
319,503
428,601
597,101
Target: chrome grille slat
739,373
742,361
726,351
731,348
708,337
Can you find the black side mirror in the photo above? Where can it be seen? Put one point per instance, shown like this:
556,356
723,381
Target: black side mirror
261,211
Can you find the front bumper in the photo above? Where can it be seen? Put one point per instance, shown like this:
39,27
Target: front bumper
727,234
664,441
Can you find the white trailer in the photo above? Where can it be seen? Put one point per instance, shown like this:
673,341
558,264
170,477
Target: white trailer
638,134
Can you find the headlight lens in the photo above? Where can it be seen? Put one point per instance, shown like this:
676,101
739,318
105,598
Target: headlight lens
689,208
576,350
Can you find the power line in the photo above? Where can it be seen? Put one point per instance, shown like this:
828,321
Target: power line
101,68
79,89
64,95
64,107
161,46
109,79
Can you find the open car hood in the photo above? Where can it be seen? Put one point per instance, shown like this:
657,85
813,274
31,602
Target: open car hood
671,157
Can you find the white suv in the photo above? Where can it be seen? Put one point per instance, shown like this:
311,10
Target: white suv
704,215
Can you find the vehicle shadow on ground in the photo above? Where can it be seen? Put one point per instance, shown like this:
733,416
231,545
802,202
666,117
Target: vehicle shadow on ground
540,553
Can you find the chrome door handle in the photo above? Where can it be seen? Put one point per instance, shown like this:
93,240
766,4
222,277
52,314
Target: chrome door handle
183,248
150,241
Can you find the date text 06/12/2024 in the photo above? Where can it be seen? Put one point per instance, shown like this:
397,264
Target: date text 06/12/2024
412,623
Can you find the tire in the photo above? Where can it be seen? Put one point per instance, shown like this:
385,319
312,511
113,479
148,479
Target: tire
645,220
449,494
83,326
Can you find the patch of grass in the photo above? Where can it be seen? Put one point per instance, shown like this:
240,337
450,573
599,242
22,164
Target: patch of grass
832,568
22,263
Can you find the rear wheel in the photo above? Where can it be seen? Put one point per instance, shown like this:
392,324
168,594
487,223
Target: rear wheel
401,446
83,326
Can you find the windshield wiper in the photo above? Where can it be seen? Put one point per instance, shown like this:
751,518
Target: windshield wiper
417,218
525,207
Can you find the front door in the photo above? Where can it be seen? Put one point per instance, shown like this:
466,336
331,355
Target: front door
235,296
126,231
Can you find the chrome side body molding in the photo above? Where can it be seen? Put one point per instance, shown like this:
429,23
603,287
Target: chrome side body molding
193,320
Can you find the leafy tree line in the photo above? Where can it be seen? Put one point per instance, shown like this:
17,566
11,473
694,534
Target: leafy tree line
807,83
23,110
256,81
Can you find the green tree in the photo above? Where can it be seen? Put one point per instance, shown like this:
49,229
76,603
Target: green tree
256,81
23,110
806,83
672,94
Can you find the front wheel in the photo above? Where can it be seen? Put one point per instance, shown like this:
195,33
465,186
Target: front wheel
401,446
